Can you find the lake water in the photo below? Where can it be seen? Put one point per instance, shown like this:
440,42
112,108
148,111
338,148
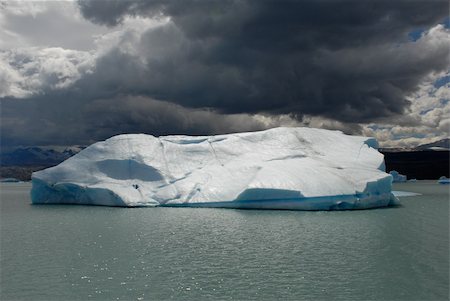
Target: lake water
57,252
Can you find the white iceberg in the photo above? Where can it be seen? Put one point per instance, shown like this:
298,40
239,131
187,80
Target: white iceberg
397,177
281,168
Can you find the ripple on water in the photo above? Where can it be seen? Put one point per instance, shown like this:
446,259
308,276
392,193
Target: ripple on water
206,254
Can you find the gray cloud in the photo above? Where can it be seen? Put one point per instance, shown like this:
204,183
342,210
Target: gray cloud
347,60
65,122
46,24
32,70
223,66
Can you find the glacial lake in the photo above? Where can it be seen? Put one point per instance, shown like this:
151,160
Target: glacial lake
64,252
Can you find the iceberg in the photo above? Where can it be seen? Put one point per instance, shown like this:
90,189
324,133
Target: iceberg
280,168
444,180
9,180
397,177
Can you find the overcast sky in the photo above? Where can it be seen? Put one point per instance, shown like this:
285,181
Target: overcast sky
78,72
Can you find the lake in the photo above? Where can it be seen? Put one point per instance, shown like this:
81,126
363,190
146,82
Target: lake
67,252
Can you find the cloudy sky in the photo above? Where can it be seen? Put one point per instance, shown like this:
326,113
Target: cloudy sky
75,72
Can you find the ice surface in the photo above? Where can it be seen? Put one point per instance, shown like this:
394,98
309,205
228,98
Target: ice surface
397,177
9,180
281,168
400,194
444,180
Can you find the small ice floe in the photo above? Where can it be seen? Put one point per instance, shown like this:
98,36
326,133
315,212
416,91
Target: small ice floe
444,180
9,180
400,194
397,177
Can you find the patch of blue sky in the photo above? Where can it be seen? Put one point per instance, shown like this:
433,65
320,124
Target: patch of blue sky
408,135
423,112
415,34
442,81
377,127
446,22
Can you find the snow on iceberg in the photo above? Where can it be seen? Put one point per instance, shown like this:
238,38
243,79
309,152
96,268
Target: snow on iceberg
281,168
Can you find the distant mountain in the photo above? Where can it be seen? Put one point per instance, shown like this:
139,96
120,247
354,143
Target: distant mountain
443,144
21,162
424,162
38,156
440,145
421,165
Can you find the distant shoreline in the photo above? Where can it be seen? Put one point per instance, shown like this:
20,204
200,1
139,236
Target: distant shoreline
420,165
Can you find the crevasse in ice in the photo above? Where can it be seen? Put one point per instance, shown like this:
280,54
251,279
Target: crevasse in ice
280,168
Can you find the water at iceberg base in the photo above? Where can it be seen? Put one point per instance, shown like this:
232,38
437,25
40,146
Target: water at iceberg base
61,252
281,168
74,194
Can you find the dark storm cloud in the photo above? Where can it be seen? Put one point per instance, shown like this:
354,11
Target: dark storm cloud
72,120
210,65
347,60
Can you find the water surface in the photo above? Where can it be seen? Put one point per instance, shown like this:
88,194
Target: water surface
66,252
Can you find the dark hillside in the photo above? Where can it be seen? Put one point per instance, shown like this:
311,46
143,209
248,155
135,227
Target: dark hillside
420,165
